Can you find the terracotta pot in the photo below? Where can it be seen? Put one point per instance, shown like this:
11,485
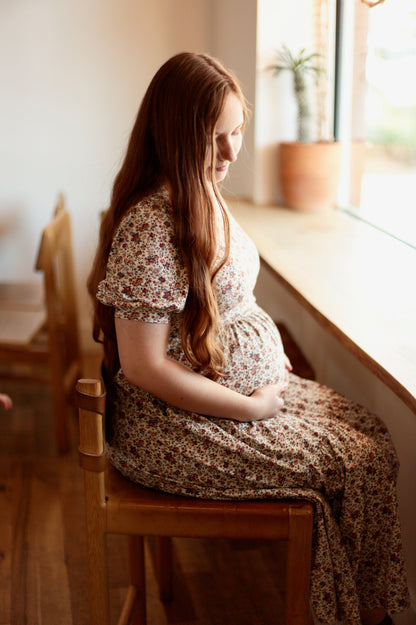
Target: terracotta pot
309,174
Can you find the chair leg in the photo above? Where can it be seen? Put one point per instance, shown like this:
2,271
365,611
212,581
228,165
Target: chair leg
137,579
164,567
299,549
98,592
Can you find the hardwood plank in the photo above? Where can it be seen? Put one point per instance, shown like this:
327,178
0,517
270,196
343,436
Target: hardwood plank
27,430
20,488
71,498
232,583
39,587
47,547
6,534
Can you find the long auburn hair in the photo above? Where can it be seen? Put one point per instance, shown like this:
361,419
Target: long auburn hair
168,144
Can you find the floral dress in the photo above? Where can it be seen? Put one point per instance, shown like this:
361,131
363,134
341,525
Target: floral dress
321,446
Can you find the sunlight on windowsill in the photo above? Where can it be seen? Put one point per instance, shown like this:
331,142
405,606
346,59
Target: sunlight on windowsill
354,280
386,202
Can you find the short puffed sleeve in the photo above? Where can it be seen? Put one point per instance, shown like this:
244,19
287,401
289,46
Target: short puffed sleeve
146,279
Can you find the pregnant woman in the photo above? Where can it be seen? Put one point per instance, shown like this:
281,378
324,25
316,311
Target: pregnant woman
203,401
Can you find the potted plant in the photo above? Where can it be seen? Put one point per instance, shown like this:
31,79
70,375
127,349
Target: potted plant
308,170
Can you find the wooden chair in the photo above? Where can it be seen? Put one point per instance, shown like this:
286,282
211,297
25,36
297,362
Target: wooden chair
114,505
41,343
27,296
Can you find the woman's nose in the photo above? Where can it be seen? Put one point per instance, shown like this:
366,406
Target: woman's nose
227,150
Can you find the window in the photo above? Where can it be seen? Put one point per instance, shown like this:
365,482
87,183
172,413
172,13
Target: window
375,113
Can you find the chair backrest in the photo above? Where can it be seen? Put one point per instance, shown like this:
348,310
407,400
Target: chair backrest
60,205
55,260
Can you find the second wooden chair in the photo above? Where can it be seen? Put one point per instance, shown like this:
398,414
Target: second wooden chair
40,343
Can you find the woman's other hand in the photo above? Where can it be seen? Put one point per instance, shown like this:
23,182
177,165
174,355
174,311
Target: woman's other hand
268,401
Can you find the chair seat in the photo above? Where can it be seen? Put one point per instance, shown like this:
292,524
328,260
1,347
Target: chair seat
175,515
22,295
18,327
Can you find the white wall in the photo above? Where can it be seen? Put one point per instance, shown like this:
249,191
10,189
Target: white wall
72,77
234,41
275,118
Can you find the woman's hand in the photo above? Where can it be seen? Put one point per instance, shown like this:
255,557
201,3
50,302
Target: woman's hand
268,401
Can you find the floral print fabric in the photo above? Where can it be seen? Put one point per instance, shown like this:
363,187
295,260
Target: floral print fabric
321,447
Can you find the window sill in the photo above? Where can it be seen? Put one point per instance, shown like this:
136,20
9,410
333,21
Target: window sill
356,282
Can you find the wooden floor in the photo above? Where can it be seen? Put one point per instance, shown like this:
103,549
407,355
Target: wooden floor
42,562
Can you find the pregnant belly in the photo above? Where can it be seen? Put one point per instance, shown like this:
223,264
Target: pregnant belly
254,352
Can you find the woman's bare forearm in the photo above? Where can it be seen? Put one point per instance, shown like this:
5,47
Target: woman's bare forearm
142,351
179,386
